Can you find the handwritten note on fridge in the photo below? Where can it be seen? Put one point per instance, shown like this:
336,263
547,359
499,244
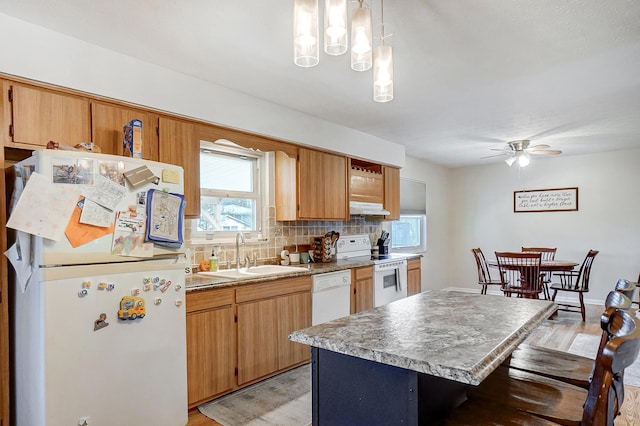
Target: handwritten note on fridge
546,200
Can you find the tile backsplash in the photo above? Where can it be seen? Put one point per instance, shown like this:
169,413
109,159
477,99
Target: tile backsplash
276,235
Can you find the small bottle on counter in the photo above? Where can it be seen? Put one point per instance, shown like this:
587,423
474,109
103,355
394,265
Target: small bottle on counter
213,261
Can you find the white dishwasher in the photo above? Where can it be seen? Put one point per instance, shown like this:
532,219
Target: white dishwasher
330,296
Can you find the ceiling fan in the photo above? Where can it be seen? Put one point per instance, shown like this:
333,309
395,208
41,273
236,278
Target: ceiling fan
521,151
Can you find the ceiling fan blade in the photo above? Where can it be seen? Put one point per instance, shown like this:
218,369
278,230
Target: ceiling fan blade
505,150
540,146
497,155
545,152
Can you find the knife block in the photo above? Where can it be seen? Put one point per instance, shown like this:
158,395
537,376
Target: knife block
382,249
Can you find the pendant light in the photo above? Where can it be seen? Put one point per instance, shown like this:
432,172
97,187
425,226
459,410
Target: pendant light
335,27
361,38
382,66
305,33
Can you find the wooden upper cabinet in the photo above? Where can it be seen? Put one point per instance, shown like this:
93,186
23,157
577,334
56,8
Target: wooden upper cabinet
285,186
107,122
366,182
179,145
322,186
41,115
392,192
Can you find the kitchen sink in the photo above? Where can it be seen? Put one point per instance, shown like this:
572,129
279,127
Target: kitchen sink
254,271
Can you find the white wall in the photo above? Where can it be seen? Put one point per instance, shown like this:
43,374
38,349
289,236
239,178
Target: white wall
37,53
434,262
608,219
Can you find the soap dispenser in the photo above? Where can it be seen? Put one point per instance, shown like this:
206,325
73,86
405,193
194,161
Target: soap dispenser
213,261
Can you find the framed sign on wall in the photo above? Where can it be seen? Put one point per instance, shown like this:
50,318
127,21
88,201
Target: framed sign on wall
546,200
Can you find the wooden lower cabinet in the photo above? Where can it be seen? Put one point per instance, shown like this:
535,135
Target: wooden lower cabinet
211,344
257,340
361,289
267,314
294,313
414,277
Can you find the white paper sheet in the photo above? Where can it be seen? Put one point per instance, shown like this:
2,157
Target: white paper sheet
96,215
19,255
105,192
44,208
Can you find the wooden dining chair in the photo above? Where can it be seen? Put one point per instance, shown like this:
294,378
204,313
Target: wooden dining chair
520,274
509,396
565,366
574,282
547,253
484,276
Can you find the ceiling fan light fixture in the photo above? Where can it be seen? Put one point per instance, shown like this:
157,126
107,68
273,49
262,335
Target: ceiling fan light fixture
335,27
511,160
305,33
523,160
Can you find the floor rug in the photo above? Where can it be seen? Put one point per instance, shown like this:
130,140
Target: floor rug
283,400
587,345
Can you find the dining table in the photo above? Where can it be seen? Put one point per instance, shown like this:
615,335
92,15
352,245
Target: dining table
410,361
546,265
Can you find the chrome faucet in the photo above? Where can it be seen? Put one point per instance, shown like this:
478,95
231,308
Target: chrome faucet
239,236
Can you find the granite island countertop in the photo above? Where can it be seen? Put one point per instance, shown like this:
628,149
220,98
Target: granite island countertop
453,335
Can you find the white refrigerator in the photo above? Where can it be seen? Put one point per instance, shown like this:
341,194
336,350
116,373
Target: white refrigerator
99,329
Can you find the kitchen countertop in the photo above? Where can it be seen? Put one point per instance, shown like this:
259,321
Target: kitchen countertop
201,282
453,335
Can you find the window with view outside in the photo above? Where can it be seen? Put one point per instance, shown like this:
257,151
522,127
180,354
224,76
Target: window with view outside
229,192
408,232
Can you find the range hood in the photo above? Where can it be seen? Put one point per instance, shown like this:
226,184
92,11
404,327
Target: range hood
367,209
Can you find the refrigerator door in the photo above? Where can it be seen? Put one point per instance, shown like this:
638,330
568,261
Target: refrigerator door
75,359
50,163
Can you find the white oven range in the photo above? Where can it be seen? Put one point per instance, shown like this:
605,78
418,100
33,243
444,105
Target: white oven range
389,271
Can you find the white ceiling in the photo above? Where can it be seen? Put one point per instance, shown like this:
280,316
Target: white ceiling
469,75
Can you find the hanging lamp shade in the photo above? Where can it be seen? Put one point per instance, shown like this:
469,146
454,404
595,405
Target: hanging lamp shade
361,51
335,27
383,73
305,33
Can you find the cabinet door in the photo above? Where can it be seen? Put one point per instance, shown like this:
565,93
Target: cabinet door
40,116
107,122
414,277
322,186
413,282
294,313
179,145
257,340
392,192
210,353
361,289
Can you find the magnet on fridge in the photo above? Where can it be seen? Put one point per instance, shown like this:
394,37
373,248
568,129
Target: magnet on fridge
147,287
178,287
101,322
156,286
102,285
156,279
165,287
163,281
111,286
157,301
146,280
179,302
135,291
83,292
131,308
86,284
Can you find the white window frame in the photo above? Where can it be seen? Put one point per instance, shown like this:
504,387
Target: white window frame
257,194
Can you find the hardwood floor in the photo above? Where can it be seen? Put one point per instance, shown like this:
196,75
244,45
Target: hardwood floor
557,334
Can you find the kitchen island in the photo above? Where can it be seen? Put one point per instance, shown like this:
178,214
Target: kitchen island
409,362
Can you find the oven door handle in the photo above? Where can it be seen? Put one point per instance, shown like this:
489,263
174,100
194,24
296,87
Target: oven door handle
398,283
